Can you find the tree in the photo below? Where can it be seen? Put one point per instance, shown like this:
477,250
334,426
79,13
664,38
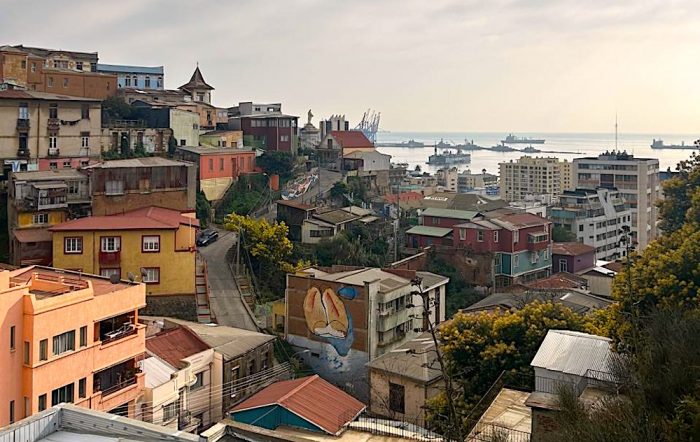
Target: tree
478,347
203,209
681,201
140,150
562,234
276,163
115,108
125,146
458,294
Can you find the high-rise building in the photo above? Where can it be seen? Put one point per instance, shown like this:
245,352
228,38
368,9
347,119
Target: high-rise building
637,179
534,178
69,337
595,217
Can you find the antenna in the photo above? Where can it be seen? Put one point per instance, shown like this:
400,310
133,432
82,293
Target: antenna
616,130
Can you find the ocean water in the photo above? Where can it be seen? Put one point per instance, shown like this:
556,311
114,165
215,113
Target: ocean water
574,144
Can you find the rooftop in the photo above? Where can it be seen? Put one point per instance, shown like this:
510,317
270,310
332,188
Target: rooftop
139,219
138,162
157,372
68,422
196,82
389,280
437,232
296,204
508,411
571,248
49,175
100,284
559,280
519,221
573,353
120,68
32,235
351,138
449,213
229,341
310,398
175,344
336,216
416,359
15,94
204,150
577,301
45,52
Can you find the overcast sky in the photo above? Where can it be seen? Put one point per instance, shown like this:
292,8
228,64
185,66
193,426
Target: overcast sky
427,65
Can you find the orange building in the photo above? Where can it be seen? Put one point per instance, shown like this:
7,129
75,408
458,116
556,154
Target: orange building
69,337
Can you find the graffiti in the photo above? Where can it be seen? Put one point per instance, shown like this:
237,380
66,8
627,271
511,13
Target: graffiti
328,318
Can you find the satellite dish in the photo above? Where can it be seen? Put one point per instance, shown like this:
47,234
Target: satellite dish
131,277
114,278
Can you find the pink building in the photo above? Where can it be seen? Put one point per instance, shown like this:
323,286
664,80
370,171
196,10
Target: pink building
69,337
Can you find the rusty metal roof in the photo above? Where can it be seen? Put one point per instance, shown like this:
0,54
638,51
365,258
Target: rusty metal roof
175,344
310,398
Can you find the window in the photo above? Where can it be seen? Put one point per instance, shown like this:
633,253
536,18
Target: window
480,235
135,80
107,273
42,402
462,234
23,111
12,412
27,411
147,82
53,141
284,137
67,164
150,243
79,65
545,254
33,67
397,398
63,394
73,187
127,81
23,141
152,275
516,261
169,411
73,245
535,256
200,96
50,82
114,187
221,164
44,350
53,110
109,244
13,336
580,228
83,336
82,387
65,82
495,236
516,236
563,265
85,111
26,352
199,383
211,164
159,82
84,139
183,142
64,342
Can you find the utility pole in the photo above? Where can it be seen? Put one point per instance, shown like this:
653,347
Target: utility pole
454,428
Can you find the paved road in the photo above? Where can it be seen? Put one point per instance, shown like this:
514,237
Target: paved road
226,302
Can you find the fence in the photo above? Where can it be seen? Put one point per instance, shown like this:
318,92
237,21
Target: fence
392,428
492,432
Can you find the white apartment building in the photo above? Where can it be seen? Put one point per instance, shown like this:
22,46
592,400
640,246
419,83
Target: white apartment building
637,179
595,216
448,179
529,178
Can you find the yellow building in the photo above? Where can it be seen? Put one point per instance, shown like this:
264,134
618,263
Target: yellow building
153,244
222,138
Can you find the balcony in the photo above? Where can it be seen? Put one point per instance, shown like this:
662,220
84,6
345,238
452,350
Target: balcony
117,346
23,124
23,153
54,152
537,241
53,124
110,258
126,390
387,322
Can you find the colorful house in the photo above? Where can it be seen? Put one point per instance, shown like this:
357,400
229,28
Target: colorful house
69,337
339,143
152,245
222,138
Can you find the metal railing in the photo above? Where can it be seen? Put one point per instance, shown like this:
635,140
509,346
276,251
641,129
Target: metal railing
119,386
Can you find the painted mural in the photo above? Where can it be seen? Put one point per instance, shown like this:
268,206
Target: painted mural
328,318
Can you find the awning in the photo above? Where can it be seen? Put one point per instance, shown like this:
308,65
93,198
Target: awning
50,186
32,235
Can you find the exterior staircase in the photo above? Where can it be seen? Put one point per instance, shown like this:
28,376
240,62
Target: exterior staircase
204,313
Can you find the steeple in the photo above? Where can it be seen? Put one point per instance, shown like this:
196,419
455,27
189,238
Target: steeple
196,82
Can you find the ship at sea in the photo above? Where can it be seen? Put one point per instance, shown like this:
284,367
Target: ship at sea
449,158
409,143
530,149
512,139
502,148
469,145
659,144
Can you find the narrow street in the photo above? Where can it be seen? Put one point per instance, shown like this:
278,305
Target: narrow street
226,303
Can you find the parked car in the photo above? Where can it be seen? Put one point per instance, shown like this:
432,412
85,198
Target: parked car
207,237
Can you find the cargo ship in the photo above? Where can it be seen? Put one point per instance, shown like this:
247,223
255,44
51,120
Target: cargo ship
449,158
659,144
512,139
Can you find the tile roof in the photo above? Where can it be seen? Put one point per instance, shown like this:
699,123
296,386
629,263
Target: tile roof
175,344
571,248
351,138
310,398
438,232
403,196
145,218
573,353
449,213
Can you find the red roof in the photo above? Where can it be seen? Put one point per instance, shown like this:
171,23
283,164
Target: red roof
351,138
571,248
561,280
139,219
405,196
32,235
310,398
175,344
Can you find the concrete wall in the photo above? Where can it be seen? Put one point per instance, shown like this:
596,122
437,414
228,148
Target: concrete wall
185,126
416,394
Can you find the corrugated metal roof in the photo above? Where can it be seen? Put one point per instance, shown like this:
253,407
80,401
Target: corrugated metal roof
438,232
450,213
573,352
175,344
138,162
144,218
310,398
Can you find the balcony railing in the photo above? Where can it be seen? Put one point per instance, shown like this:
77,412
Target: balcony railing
53,124
54,152
110,258
23,153
119,385
120,333
22,124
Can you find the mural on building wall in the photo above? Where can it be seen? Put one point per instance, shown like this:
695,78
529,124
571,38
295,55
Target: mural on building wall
328,318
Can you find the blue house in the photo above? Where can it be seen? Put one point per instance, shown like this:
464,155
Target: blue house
308,403
136,77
